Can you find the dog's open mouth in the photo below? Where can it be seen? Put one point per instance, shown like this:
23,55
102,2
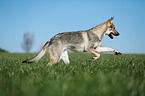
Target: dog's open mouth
111,35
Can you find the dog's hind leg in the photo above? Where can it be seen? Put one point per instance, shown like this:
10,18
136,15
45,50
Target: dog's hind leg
65,57
55,54
53,59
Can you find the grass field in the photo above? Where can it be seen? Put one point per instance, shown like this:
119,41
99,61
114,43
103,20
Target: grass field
110,75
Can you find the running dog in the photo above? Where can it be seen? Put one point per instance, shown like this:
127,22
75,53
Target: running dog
80,41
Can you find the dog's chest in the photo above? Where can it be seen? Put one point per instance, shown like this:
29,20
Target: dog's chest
97,44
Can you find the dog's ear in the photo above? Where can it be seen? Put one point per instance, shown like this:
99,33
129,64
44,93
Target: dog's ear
109,22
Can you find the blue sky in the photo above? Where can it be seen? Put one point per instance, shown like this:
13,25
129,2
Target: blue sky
46,18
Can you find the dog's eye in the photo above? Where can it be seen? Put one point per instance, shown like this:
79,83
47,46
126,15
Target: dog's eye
111,26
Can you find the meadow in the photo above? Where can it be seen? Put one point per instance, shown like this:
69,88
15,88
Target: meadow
110,75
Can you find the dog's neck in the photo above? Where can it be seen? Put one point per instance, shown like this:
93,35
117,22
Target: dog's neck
100,30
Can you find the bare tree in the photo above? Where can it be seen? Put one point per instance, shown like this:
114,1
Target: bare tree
28,41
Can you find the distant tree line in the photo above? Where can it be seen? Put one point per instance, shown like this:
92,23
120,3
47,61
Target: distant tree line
2,50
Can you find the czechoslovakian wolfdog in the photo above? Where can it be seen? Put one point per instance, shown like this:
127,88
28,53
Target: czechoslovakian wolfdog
80,41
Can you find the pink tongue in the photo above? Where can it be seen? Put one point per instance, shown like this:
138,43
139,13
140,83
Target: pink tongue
112,35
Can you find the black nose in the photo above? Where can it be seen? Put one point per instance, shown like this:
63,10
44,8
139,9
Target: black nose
117,34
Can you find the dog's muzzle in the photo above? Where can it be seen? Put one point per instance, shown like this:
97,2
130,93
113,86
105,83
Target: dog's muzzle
113,33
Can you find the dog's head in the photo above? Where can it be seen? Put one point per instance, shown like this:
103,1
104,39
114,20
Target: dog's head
111,32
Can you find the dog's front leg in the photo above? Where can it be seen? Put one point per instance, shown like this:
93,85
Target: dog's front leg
93,52
107,49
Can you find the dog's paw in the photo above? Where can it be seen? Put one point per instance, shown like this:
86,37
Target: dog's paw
117,53
93,58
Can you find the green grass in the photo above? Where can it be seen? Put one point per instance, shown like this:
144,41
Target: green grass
109,75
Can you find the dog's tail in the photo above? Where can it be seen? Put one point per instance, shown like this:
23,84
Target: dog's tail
40,54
